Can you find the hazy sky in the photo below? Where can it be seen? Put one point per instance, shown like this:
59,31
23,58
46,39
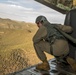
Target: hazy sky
28,10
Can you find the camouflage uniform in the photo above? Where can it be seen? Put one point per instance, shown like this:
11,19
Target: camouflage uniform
48,39
59,47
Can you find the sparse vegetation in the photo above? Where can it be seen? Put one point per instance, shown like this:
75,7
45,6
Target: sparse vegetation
16,46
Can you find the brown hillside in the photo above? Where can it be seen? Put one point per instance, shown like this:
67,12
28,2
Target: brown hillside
16,46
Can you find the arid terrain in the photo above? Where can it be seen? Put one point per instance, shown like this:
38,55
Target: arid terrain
16,46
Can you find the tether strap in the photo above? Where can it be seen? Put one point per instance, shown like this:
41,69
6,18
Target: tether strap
51,50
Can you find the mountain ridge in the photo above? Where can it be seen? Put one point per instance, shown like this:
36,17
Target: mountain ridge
13,24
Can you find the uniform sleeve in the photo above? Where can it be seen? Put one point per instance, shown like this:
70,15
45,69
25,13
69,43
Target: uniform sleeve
67,29
40,34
